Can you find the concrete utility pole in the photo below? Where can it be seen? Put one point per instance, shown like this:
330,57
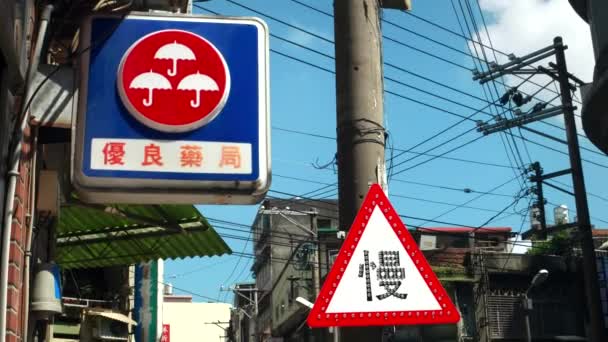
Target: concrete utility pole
540,203
360,110
559,72
592,290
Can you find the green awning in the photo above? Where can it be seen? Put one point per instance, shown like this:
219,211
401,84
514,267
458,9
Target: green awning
111,235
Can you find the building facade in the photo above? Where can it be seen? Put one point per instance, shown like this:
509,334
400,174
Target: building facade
184,320
44,228
294,244
242,316
477,267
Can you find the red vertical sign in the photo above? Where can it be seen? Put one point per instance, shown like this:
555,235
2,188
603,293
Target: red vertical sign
166,336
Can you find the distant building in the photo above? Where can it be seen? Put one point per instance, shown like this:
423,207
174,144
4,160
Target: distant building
495,239
188,321
485,280
287,236
242,317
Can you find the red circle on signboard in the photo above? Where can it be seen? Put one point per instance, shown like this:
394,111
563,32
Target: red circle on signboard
173,81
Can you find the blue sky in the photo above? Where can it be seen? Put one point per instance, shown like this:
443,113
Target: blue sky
303,99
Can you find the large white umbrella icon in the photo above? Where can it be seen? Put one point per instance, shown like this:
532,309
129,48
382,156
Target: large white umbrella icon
174,51
150,80
198,83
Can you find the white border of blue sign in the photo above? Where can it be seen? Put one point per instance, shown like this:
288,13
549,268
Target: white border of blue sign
129,190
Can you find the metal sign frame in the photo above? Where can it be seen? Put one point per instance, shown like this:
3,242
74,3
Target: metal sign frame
320,315
152,187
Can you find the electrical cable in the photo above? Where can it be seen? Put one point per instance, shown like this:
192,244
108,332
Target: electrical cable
417,198
523,221
433,158
391,79
483,86
238,260
588,193
428,220
331,71
471,200
559,151
443,187
468,39
477,30
315,135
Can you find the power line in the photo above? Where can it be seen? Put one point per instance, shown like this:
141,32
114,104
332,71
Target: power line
316,135
521,227
425,229
471,200
477,30
450,31
388,64
559,151
237,262
483,87
469,30
469,39
403,196
433,158
210,299
331,71
428,220
588,193
578,134
443,187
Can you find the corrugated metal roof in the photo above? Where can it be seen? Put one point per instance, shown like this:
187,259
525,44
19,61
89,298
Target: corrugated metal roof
100,236
117,316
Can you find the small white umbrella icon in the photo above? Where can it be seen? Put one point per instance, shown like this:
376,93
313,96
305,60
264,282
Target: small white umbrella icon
150,80
174,51
198,83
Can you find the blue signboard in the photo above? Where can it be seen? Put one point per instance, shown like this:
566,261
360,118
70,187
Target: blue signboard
172,109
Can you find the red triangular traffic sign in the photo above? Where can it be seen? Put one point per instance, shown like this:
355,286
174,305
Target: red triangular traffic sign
380,277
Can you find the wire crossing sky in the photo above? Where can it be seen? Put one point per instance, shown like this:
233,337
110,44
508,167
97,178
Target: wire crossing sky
443,172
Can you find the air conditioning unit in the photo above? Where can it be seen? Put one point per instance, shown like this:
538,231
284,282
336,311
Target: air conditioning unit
428,242
105,325
106,329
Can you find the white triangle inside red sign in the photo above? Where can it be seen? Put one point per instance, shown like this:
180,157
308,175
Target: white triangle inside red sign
380,277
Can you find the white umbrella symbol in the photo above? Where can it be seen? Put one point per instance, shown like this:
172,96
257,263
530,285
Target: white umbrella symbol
150,80
174,51
198,83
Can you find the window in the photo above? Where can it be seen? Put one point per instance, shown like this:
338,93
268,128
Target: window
323,223
263,276
332,254
265,223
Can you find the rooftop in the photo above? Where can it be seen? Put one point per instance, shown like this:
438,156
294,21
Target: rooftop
484,230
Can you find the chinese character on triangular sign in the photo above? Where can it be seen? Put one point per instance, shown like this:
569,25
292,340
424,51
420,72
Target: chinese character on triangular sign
380,277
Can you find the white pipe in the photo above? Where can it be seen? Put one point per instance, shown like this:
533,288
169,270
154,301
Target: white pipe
28,244
13,172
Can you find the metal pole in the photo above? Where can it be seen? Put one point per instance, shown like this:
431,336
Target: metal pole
538,173
255,302
316,282
360,109
594,309
527,308
316,262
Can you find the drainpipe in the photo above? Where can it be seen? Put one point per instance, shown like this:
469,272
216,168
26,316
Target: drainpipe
13,172
28,244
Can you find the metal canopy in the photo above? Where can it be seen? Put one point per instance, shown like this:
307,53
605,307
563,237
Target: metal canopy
111,235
